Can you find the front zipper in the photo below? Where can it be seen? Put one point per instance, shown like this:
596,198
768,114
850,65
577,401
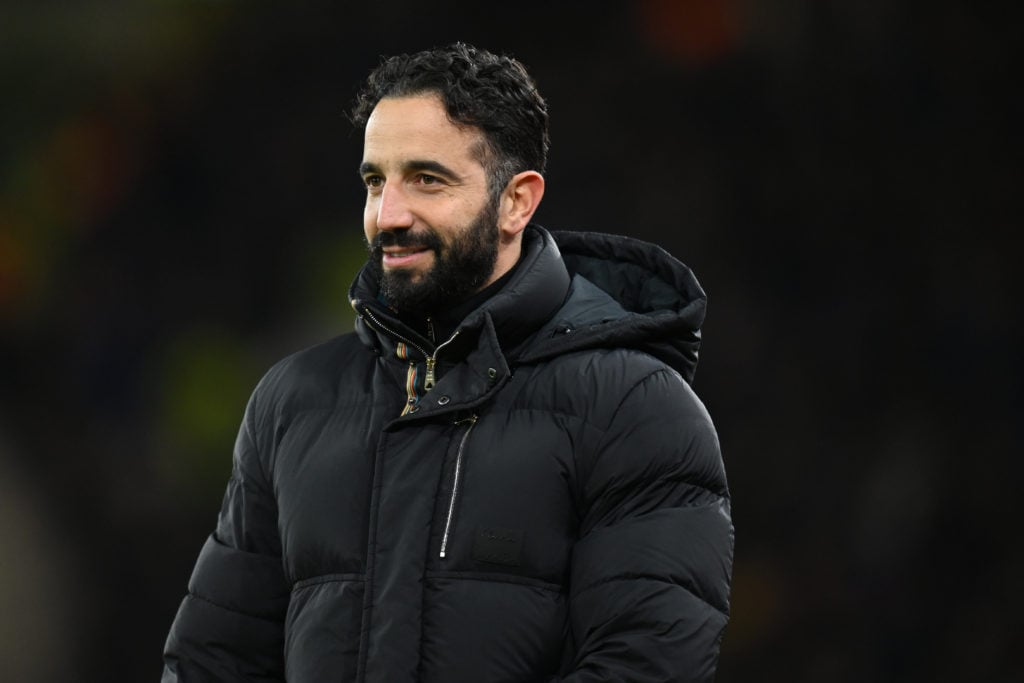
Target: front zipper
430,358
455,482
428,381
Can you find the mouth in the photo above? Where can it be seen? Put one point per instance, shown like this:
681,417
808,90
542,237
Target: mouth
399,257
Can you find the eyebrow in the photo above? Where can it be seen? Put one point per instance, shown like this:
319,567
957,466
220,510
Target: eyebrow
413,165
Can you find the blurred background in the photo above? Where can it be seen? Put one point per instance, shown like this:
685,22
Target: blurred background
179,208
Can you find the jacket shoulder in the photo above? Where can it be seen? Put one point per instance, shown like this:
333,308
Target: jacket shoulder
649,420
311,377
603,378
304,369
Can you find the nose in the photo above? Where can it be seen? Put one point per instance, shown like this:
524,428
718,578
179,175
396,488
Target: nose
393,210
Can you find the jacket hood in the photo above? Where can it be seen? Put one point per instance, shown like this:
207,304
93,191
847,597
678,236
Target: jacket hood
625,293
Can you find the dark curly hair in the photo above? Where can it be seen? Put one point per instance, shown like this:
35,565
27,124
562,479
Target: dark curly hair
492,93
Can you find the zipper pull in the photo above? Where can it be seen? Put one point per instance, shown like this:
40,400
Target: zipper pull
428,381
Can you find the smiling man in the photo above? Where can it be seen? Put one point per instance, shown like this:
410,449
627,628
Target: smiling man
503,474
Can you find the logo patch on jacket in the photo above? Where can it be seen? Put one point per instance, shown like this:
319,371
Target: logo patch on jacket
498,546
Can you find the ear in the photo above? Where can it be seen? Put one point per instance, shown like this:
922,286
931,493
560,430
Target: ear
519,200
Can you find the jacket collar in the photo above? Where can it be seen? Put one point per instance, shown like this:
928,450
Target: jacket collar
571,291
536,290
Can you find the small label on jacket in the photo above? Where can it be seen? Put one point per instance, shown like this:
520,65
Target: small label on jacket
498,546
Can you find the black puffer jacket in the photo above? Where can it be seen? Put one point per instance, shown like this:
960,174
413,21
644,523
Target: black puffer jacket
554,509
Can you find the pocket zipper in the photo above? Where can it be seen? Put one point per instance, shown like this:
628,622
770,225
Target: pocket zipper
455,483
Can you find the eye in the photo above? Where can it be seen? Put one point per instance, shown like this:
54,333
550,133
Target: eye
373,181
428,179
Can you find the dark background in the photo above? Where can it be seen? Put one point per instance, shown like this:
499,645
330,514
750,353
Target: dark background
179,208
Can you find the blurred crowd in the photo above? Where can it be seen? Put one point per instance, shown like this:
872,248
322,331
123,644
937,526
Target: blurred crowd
179,208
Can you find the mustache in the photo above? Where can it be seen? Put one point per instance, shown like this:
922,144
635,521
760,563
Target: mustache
425,239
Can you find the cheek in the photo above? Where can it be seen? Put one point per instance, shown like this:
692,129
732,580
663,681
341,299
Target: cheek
369,221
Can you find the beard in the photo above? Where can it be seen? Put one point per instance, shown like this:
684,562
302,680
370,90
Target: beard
461,266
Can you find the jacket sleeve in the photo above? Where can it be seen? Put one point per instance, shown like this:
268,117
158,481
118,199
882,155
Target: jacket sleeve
230,626
649,596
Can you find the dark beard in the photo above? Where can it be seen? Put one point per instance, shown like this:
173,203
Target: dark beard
460,268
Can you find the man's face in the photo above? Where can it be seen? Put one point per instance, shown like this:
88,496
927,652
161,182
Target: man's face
429,221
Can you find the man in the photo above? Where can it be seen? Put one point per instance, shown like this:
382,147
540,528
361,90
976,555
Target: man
503,474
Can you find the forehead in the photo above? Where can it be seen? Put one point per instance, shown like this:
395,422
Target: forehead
417,127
